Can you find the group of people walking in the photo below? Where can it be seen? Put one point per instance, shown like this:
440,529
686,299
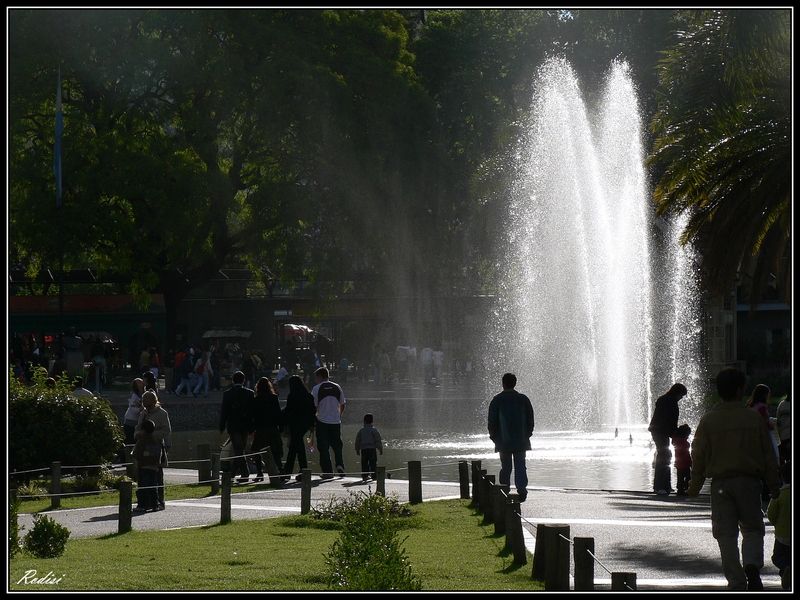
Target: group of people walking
317,413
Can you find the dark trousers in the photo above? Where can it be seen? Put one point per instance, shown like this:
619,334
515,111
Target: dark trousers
369,463
147,499
662,477
781,555
239,443
520,470
329,437
297,448
267,436
129,431
682,485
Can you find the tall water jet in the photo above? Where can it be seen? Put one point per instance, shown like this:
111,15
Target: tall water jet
575,314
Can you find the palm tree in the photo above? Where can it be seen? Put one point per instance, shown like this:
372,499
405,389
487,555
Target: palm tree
722,147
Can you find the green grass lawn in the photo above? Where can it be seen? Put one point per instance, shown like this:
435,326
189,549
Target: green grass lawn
447,547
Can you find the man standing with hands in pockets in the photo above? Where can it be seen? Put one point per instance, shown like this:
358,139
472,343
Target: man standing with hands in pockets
510,428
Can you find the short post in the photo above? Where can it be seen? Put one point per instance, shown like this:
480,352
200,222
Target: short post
125,508
380,481
623,582
584,563
203,464
305,491
414,482
539,557
55,484
514,537
215,473
488,511
482,500
225,501
463,479
556,576
476,477
499,506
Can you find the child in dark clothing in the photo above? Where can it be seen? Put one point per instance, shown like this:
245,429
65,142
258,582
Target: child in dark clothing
368,442
148,458
683,459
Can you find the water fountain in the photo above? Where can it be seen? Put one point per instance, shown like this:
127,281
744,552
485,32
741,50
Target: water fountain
596,314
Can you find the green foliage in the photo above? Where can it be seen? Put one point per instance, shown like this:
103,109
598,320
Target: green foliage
722,151
336,508
50,424
47,538
13,526
368,554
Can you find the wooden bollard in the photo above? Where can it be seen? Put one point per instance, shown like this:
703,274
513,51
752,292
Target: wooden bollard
380,481
556,575
203,462
584,563
623,582
225,501
482,501
414,482
305,491
515,540
125,506
215,473
476,477
55,484
463,479
499,508
539,558
488,512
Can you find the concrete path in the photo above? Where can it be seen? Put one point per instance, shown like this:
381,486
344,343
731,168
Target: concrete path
666,541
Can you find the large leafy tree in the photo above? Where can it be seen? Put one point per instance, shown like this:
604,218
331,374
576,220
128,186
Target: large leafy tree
196,137
722,151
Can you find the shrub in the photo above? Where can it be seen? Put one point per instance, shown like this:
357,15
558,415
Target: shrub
368,553
338,507
48,424
47,539
13,526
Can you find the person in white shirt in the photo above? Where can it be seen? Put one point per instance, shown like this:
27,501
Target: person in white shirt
329,400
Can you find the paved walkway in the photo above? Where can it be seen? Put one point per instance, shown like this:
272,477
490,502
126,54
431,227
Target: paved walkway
666,541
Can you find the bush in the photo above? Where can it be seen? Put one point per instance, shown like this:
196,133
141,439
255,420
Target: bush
47,539
338,507
368,554
13,526
49,424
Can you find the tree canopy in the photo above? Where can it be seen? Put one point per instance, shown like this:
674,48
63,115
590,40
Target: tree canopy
723,142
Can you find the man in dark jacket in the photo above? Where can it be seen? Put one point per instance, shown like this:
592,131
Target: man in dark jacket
236,418
510,428
663,425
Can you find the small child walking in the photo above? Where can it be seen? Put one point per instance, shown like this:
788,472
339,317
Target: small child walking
368,443
148,458
683,459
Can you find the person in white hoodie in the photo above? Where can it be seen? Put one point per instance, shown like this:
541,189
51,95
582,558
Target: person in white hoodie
131,418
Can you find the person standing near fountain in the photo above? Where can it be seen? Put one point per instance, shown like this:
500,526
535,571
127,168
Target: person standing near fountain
663,426
511,428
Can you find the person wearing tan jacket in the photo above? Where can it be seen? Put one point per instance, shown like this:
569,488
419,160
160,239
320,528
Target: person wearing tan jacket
732,448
